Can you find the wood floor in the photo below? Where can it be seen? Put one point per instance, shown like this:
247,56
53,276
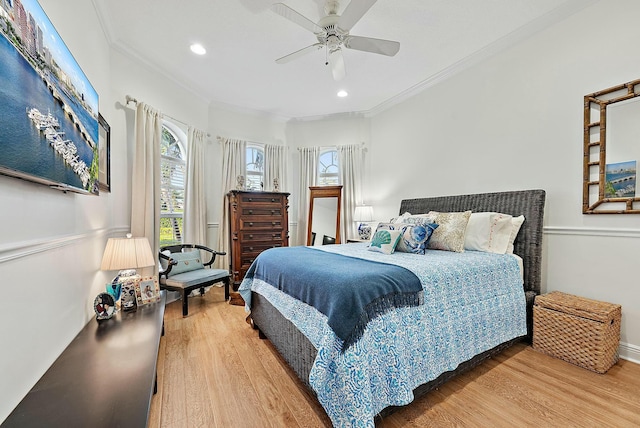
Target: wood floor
214,371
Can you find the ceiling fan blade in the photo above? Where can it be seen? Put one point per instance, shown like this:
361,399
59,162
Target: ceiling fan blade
353,12
367,44
298,54
336,61
293,16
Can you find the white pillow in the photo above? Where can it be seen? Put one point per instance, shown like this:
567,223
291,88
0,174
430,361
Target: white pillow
488,232
516,223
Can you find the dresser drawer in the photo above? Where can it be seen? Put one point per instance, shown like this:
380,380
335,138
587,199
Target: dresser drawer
254,210
256,223
258,198
248,253
249,237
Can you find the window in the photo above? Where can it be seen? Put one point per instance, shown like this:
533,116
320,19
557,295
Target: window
172,174
328,169
255,168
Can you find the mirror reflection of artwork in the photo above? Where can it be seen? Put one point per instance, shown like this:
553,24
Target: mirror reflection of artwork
620,180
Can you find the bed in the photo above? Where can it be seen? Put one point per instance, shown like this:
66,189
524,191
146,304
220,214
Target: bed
299,332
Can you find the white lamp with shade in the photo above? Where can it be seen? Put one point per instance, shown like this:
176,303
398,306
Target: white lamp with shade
363,214
126,255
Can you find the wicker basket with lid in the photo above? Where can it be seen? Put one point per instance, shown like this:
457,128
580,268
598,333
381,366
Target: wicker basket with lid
581,331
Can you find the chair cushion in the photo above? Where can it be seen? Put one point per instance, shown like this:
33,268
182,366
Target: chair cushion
186,262
194,277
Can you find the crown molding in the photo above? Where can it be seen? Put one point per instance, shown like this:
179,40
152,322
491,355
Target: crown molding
545,21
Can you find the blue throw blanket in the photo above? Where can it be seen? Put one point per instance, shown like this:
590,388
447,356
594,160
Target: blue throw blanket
348,290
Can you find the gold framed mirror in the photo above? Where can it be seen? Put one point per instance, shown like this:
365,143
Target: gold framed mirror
324,215
611,150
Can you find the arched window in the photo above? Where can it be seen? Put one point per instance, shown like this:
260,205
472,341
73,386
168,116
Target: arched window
172,174
255,168
328,168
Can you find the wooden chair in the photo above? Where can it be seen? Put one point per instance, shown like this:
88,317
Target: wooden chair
184,271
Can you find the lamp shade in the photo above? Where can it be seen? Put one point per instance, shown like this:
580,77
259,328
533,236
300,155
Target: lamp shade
127,253
363,213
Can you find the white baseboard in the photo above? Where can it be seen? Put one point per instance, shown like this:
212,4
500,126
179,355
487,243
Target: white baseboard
630,352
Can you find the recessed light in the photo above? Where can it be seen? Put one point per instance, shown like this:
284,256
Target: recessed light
342,93
198,49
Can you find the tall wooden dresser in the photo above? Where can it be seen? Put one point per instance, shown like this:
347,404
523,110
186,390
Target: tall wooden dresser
258,221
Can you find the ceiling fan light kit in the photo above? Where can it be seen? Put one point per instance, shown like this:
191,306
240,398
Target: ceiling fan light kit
332,33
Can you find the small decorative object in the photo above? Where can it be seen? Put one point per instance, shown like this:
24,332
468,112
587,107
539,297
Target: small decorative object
105,306
129,298
276,185
147,291
363,214
364,231
115,289
240,182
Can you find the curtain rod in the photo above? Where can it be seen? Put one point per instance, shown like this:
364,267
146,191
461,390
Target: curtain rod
130,99
330,147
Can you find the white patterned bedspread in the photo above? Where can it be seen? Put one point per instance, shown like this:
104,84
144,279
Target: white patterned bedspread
473,301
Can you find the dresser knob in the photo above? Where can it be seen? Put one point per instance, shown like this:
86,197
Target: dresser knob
273,200
273,223
250,224
273,211
250,248
250,199
250,211
250,236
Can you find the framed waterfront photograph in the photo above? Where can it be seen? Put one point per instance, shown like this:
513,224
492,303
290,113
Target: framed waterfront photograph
620,180
104,155
48,107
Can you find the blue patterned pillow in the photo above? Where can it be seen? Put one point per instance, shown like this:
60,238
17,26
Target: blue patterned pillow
415,234
415,238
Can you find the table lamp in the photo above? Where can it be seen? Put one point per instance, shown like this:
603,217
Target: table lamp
363,213
126,255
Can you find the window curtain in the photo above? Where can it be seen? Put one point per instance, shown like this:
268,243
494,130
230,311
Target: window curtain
145,181
350,161
234,153
275,167
308,176
195,206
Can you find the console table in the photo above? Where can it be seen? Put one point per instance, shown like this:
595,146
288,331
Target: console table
106,377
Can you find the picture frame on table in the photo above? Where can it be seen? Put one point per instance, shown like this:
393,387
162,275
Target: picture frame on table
147,290
104,155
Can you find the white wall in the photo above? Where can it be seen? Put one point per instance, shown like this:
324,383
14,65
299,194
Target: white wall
514,121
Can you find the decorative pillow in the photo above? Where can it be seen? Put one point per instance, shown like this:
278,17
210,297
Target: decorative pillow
516,223
186,262
449,236
489,232
399,219
385,241
416,233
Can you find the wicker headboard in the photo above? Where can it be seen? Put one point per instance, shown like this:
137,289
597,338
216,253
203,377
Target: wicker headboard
528,243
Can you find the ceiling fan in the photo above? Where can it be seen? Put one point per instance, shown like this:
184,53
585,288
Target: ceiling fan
332,33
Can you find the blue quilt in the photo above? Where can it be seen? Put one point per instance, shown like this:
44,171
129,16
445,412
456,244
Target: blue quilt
473,301
348,290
